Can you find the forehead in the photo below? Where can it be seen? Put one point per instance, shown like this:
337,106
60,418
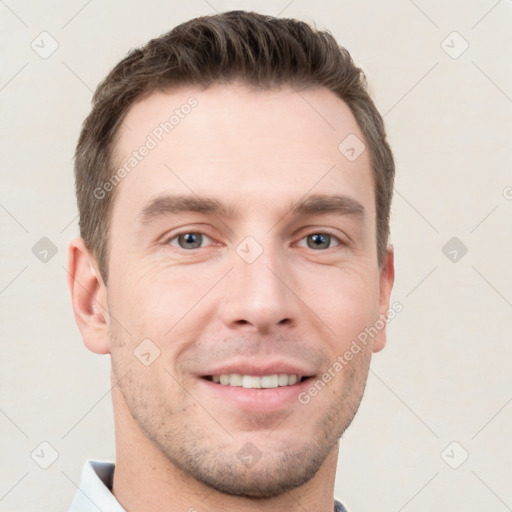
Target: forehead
239,114
232,138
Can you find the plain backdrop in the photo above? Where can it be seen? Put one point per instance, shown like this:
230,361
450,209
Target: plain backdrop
434,429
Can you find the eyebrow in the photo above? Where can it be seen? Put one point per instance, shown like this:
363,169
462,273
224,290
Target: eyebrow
311,205
169,205
322,204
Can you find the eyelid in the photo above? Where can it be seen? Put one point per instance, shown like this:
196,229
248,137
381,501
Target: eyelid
342,240
167,239
199,229
334,238
204,240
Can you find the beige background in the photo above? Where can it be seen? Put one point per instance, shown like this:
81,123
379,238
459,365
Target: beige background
445,375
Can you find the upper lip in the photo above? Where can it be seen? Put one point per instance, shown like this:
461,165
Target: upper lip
260,369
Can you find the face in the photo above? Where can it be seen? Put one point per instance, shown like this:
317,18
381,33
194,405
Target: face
243,253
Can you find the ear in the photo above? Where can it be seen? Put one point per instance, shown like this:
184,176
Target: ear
89,297
387,278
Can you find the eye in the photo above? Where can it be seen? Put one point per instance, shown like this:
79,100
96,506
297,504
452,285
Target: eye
318,241
189,240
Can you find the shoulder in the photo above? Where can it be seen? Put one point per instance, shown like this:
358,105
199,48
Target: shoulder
338,507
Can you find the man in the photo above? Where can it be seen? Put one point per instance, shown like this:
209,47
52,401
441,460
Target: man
234,185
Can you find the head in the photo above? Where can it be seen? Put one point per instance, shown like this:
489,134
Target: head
243,240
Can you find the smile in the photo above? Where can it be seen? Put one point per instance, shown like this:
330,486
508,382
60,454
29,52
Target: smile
254,381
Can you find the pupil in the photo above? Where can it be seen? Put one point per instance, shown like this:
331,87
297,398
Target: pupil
319,241
191,240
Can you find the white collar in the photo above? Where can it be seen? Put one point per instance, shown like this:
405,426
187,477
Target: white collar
94,492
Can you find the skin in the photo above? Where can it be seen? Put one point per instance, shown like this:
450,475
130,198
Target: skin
257,152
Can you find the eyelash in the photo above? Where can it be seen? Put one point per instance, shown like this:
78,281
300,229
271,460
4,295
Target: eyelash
329,234
176,236
190,232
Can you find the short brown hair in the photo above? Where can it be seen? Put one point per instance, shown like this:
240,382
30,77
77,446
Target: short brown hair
261,51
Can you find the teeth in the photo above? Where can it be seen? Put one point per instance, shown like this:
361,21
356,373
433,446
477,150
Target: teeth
255,382
283,379
235,380
269,381
251,382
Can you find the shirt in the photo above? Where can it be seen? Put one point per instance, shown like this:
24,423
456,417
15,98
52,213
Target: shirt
95,491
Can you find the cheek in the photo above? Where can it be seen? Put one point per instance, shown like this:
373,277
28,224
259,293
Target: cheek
163,304
155,293
345,298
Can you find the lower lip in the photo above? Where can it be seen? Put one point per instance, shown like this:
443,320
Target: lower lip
258,400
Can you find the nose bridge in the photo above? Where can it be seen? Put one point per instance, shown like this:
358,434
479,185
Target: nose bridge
256,296
261,276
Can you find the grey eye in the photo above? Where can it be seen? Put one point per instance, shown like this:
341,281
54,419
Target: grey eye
189,240
319,241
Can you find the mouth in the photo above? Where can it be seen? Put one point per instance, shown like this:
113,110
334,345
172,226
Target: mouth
255,394
256,381
258,386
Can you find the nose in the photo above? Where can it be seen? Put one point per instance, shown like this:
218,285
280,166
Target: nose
258,296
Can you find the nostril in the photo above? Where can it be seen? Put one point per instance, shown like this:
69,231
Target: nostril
256,323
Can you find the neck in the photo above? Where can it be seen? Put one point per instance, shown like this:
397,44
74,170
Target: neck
144,479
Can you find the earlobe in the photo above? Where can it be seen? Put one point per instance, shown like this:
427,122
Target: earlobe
88,297
387,278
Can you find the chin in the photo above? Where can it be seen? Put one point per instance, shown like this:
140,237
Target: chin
270,476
